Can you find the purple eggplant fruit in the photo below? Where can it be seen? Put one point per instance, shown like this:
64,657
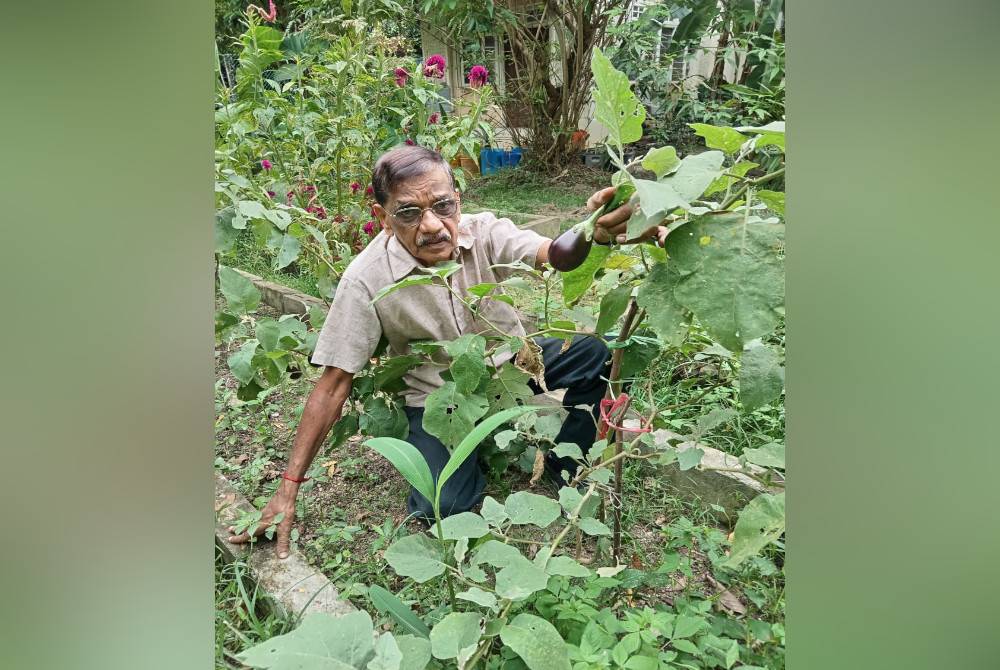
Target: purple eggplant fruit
568,251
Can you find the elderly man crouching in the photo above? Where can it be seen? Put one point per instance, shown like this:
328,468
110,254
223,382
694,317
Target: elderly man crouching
419,208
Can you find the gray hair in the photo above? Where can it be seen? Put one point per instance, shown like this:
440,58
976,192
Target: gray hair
404,162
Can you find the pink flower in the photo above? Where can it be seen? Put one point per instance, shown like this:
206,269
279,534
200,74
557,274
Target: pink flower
370,191
370,228
318,210
401,76
309,189
266,164
270,194
477,76
289,196
355,187
270,15
410,142
434,118
338,219
434,66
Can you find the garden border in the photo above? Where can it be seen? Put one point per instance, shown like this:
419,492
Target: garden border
290,585
282,298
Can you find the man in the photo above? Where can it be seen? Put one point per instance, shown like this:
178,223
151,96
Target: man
419,209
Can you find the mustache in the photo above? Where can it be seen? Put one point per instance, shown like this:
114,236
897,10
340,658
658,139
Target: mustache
444,236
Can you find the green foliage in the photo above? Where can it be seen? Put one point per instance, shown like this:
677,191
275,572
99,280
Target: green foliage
761,522
403,615
537,642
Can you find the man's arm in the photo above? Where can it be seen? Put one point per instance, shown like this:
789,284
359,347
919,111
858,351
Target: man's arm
323,408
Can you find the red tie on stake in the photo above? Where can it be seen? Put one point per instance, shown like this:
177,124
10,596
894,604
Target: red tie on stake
614,410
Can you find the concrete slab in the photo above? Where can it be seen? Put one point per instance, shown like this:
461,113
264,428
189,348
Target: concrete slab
282,298
290,585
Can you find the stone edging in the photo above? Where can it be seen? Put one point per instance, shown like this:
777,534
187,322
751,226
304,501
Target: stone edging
282,298
290,585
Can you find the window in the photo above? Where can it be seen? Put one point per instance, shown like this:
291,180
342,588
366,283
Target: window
485,53
678,68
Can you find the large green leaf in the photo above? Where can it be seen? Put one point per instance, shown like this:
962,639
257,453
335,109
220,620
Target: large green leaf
383,418
592,526
240,293
473,438
761,376
665,315
693,24
761,522
775,200
616,106
695,173
525,507
771,455
656,200
408,460
387,654
417,557
388,376
468,364
225,233
576,282
508,388
719,137
537,642
478,596
465,524
732,275
416,652
388,603
613,305
288,252
495,553
520,578
661,160
241,363
321,642
455,632
450,415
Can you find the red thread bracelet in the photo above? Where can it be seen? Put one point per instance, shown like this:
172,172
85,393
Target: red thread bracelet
609,408
284,475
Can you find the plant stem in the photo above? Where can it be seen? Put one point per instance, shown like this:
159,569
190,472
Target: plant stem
614,388
447,574
728,202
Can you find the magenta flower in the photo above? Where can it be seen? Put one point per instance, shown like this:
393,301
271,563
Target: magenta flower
270,15
434,118
434,66
309,189
266,164
410,142
270,194
402,76
355,187
370,191
289,196
318,210
477,76
369,228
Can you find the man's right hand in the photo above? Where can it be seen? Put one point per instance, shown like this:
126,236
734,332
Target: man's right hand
283,502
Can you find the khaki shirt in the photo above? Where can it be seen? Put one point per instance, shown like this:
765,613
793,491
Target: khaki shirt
426,312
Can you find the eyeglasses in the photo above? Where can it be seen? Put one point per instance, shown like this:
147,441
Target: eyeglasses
411,216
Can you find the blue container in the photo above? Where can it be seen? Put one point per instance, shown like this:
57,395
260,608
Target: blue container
490,161
515,156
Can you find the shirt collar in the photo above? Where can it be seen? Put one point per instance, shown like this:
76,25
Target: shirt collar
402,263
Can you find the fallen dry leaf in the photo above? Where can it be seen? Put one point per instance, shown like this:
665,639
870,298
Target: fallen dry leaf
660,520
727,601
241,459
538,468
529,360
331,468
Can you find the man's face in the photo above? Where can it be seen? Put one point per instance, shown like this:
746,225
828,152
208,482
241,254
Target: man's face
430,238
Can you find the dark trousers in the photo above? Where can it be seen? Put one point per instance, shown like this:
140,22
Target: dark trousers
578,370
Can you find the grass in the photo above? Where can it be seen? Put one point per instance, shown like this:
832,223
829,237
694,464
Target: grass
241,618
256,259
527,192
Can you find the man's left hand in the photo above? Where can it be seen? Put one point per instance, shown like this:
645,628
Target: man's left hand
613,225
